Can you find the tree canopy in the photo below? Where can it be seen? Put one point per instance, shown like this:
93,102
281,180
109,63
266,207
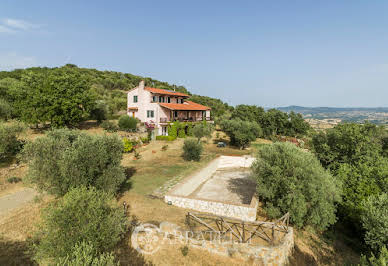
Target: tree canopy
82,215
64,159
292,180
241,133
273,122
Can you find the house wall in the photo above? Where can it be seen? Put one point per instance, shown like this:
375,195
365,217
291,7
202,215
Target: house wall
144,103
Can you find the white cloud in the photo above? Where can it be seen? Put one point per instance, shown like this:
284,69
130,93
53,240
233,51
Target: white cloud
4,29
10,25
19,24
10,61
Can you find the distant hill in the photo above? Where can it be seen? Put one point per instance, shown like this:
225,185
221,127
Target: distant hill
377,115
312,110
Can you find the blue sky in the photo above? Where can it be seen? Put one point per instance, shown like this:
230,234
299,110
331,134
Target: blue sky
269,53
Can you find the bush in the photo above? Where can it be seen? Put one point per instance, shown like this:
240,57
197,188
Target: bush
84,253
192,150
82,215
137,155
9,143
189,130
173,130
109,126
185,250
291,180
375,221
145,140
181,133
241,133
127,123
128,146
381,260
65,159
14,179
168,138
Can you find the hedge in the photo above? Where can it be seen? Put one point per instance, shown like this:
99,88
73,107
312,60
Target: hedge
168,138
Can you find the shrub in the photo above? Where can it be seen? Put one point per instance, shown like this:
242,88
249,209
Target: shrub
65,159
109,126
9,142
173,130
241,133
82,215
192,150
14,179
375,221
85,254
137,154
291,180
185,250
128,146
145,140
190,130
381,260
127,123
168,138
181,133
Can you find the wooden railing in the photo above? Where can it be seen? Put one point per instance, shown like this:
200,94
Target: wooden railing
240,230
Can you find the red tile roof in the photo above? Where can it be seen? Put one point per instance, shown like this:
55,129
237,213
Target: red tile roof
165,92
186,106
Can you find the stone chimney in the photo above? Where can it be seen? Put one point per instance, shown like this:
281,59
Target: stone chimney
141,85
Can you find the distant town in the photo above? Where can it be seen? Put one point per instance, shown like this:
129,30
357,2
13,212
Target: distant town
328,117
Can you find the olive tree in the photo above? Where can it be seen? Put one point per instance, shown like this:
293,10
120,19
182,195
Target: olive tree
192,150
9,142
292,180
84,253
201,130
375,221
65,159
82,215
241,133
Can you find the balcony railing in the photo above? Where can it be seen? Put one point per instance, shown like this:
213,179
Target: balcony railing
181,119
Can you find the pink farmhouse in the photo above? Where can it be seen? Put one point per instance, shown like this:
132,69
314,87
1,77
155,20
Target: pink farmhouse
160,107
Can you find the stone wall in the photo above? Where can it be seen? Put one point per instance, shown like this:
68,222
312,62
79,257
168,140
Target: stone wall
180,194
259,254
242,212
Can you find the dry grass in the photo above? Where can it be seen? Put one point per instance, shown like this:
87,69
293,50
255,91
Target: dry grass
313,248
157,167
150,172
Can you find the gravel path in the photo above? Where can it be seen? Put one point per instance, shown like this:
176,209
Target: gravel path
16,200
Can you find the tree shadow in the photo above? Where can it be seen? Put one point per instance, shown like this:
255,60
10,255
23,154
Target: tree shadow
299,258
127,255
15,253
245,188
89,124
127,184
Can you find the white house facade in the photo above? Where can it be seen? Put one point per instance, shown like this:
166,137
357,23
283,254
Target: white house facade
160,107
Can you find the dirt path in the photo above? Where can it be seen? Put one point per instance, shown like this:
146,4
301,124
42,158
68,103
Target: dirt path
16,200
